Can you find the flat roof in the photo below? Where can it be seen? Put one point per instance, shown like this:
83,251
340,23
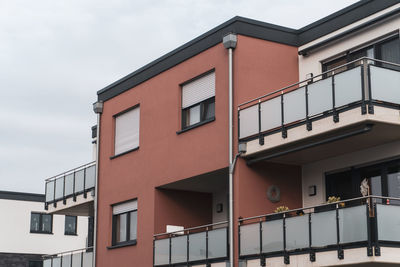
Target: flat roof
251,28
22,196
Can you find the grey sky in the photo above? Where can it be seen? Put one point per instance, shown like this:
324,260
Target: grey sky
55,55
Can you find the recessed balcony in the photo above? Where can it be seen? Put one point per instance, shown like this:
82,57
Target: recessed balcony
74,258
325,116
197,246
72,192
357,231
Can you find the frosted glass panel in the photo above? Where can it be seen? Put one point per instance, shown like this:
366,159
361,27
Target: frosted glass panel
348,87
271,114
79,176
47,263
250,239
76,260
197,246
56,262
294,105
179,249
388,222
90,177
60,188
161,252
320,97
297,232
323,228
69,184
66,261
248,121
217,243
272,236
87,259
50,191
353,224
385,84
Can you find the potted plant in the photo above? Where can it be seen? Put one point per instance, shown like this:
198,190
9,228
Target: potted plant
331,204
279,210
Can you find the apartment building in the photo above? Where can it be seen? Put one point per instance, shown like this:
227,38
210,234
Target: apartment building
196,150
28,233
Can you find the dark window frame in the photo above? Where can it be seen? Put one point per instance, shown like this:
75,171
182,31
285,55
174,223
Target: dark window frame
40,223
65,225
35,263
204,105
351,55
128,241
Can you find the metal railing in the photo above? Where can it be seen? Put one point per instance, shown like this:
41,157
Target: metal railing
71,183
196,245
74,258
358,83
360,222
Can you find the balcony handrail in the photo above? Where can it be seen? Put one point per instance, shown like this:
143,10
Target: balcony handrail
55,255
316,206
313,78
191,228
70,171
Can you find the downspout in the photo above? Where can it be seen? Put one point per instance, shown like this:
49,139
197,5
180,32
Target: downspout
230,42
98,109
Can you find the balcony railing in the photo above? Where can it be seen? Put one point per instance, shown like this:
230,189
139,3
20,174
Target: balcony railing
365,82
74,258
361,222
71,183
197,245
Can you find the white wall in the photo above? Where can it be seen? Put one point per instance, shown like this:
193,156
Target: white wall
15,236
312,62
314,173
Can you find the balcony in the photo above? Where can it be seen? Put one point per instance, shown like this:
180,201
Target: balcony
358,231
201,245
351,107
72,192
75,258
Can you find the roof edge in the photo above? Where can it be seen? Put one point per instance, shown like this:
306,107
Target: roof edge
32,197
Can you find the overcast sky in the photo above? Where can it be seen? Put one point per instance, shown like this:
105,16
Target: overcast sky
55,55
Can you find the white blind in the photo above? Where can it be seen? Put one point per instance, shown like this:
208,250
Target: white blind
198,90
125,207
127,131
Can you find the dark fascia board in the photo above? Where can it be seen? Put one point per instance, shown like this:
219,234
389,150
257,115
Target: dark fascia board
22,196
251,28
211,38
342,18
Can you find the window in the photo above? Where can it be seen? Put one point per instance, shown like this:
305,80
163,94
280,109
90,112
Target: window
124,223
41,223
35,264
70,225
198,100
387,50
127,130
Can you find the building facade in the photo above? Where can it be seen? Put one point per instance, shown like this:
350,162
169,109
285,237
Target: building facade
252,118
28,233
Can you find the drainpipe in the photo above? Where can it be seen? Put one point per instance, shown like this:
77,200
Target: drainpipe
230,42
98,109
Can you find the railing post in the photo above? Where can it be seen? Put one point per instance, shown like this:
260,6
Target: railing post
238,127
284,131
73,187
308,121
335,113
82,259
339,248
377,247
207,263
84,183
46,204
370,103
312,252
262,258
260,136
170,250
369,248
64,199
187,248
364,82
54,196
286,258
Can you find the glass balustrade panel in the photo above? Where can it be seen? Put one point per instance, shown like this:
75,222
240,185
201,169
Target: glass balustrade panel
79,181
272,236
90,177
56,262
248,121
69,184
87,260
179,249
197,246
250,239
47,263
353,224
348,87
217,243
161,252
50,191
271,114
59,188
320,97
388,217
77,260
294,105
323,228
297,232
66,261
385,84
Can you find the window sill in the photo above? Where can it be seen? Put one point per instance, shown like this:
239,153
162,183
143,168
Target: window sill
196,125
125,244
73,234
43,233
123,153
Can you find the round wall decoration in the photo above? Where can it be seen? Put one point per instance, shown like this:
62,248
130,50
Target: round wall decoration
274,193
